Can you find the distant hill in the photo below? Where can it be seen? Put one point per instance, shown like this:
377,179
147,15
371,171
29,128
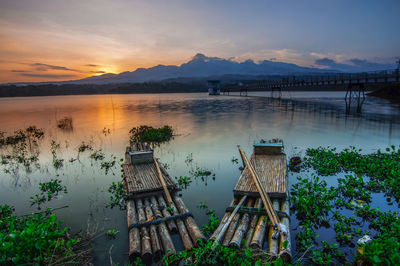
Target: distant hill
201,66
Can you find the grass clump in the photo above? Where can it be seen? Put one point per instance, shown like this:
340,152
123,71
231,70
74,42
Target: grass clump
65,124
35,239
150,134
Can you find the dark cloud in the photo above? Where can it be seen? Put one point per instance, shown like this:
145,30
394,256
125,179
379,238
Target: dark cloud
44,67
19,71
353,65
92,65
98,72
50,76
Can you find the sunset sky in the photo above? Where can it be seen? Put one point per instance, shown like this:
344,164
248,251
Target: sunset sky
52,40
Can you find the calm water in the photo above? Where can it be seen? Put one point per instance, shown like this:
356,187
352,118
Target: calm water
208,127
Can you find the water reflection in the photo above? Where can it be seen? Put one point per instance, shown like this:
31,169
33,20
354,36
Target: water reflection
207,127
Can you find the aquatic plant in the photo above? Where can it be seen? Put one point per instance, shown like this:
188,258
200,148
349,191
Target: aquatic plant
48,191
97,155
112,233
65,124
235,160
57,162
117,195
216,254
35,239
183,181
106,131
150,134
108,165
189,159
213,221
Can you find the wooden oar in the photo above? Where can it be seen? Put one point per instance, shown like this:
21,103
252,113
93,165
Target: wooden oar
264,196
162,180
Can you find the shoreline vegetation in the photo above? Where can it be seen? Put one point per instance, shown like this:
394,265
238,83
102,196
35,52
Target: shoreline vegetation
146,87
361,234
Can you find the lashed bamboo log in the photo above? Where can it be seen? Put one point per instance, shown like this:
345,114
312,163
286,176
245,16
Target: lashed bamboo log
191,225
144,234
222,232
257,240
134,239
240,232
231,229
163,233
155,242
286,254
253,223
171,224
273,243
223,221
183,233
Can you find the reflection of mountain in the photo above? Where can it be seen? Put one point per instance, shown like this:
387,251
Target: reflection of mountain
201,66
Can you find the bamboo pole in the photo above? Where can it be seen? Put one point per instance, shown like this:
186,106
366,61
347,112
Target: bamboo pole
223,221
191,225
221,234
155,242
171,224
162,180
134,239
264,196
286,254
241,230
162,229
183,232
144,234
253,223
231,229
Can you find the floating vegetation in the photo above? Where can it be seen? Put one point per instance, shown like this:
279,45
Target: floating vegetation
112,233
108,165
382,167
117,195
235,160
21,149
36,239
57,162
48,191
150,134
84,147
318,205
189,159
183,181
97,155
65,124
213,221
202,173
106,131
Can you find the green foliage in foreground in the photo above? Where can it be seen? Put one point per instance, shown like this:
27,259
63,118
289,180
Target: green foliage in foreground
150,134
216,254
34,239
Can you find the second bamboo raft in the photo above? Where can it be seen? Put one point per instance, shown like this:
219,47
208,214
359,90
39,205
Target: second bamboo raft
151,218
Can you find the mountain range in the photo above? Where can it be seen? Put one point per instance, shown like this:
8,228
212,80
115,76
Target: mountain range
200,67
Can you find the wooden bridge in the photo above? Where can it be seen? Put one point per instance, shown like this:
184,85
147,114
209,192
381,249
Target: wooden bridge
354,83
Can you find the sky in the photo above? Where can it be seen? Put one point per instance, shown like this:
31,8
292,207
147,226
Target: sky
53,40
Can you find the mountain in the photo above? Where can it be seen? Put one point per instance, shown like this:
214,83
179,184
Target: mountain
201,66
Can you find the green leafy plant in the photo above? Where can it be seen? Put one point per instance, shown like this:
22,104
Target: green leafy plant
145,133
48,191
117,195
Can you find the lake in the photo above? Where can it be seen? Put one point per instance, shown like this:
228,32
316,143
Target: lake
208,128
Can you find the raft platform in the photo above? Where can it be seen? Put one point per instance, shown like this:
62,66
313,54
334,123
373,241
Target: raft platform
250,225
151,218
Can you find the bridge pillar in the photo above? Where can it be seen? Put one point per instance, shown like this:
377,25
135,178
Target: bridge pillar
276,92
355,93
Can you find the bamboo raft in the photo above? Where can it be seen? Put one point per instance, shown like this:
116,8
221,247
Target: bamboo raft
245,223
154,209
